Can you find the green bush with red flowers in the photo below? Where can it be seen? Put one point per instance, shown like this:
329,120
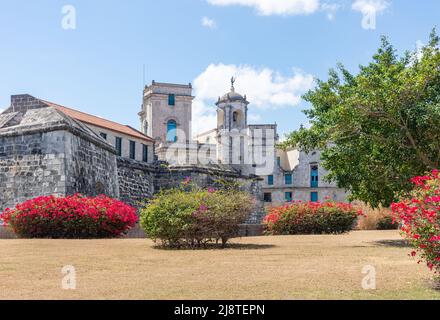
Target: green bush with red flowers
72,217
311,218
419,216
192,217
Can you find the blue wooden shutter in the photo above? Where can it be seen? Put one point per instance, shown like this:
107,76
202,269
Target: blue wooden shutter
171,99
133,150
119,146
314,177
270,180
144,153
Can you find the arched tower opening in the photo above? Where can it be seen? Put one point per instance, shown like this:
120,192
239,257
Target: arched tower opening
171,131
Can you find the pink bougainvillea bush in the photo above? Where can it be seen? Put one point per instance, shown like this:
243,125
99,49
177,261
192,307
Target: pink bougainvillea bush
72,217
419,216
311,218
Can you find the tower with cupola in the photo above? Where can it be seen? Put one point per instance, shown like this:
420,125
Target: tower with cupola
232,125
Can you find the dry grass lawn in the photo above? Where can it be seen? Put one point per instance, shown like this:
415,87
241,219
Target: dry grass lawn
288,267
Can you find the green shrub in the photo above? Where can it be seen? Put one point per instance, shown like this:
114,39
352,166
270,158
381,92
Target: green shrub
311,218
192,217
387,223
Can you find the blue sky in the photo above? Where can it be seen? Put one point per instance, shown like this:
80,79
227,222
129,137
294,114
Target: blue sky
274,47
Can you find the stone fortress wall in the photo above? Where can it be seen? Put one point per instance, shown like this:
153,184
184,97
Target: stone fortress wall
30,167
45,152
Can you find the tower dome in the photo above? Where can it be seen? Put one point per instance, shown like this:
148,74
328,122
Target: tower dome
232,96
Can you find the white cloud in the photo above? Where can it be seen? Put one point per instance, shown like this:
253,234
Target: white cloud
370,6
264,88
204,117
254,117
330,9
274,7
208,23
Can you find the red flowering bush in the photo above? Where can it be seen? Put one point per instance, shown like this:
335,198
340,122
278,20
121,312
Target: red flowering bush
73,217
311,218
419,216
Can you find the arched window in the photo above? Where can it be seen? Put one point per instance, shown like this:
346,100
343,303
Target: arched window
235,116
171,131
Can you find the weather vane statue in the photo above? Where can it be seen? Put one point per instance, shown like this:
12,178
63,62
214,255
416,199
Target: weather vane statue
233,81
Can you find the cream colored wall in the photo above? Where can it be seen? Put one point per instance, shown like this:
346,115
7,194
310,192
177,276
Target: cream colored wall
304,194
211,135
299,164
111,139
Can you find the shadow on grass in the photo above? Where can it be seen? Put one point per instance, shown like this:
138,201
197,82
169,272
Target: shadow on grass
393,243
229,246
249,246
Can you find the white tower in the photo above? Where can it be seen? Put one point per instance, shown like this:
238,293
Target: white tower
232,125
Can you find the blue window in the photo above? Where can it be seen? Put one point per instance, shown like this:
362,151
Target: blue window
118,146
314,177
171,131
270,180
144,153
132,150
288,178
288,196
171,100
314,196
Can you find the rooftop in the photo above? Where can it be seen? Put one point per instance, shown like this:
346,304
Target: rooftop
165,84
99,122
46,119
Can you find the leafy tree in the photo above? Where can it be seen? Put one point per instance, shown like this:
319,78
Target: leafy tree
379,128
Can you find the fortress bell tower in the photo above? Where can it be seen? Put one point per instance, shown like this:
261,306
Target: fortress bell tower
232,111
